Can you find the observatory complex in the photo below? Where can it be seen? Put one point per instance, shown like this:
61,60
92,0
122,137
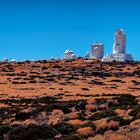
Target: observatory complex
119,49
97,50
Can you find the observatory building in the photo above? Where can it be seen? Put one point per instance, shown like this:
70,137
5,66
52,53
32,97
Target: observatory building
119,42
97,50
69,54
52,59
87,55
13,61
119,49
5,60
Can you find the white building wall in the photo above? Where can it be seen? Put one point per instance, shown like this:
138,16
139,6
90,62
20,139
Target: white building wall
119,42
97,50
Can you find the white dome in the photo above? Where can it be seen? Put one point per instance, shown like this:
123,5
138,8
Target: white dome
68,51
13,60
5,60
73,56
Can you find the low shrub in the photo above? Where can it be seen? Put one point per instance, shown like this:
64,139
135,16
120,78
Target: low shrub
117,80
73,137
85,89
135,112
64,128
85,132
23,116
32,81
119,119
4,129
126,99
31,132
103,114
96,82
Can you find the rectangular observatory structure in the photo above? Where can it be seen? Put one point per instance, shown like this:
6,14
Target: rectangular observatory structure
97,50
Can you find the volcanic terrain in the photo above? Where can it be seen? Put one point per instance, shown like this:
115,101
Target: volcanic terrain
70,100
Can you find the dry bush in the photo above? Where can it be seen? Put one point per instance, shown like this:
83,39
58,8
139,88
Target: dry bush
100,124
26,122
72,115
116,137
41,118
124,114
97,137
55,117
138,100
29,109
108,132
3,105
30,121
97,122
103,106
113,125
128,111
75,122
86,131
129,136
91,100
124,130
136,135
91,107
57,113
54,121
120,111
135,124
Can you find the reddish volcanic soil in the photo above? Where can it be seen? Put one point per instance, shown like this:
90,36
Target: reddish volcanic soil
73,79
67,100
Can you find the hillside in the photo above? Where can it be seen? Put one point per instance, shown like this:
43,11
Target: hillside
77,99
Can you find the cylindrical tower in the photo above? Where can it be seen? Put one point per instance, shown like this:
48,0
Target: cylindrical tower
97,50
119,42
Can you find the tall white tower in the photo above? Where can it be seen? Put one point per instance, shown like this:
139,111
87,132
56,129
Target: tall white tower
119,49
119,42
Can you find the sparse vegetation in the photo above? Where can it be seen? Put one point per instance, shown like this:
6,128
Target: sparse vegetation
86,98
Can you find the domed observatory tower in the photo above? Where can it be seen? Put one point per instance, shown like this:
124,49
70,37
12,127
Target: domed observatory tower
119,42
68,54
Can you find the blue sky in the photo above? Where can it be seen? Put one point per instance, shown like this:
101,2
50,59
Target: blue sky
39,29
